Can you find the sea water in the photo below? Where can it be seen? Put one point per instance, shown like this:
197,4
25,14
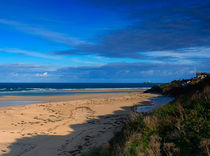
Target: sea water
53,89
56,89
156,102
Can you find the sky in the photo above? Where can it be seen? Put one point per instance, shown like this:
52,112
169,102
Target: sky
103,40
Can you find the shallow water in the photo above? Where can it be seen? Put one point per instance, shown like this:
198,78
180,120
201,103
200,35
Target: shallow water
25,102
157,102
54,93
15,103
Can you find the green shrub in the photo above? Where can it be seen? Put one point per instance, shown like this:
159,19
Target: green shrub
183,126
96,151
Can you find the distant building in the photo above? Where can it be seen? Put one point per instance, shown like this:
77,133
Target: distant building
201,75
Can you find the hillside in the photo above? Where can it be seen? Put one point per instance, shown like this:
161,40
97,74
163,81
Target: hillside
179,128
179,87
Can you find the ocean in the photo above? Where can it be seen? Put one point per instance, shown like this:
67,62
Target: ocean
53,89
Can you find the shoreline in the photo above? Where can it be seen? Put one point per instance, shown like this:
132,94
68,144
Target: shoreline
66,124
27,100
103,89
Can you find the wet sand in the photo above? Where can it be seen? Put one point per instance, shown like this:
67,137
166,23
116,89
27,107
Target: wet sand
67,125
101,90
95,93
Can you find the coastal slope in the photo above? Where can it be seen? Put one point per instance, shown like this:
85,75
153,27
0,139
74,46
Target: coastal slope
181,127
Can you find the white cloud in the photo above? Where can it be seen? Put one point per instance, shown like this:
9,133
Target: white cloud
26,52
45,74
182,56
183,53
50,35
148,72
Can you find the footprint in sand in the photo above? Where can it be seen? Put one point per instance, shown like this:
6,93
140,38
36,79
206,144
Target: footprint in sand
81,113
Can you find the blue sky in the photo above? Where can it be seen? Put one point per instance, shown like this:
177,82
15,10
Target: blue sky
103,40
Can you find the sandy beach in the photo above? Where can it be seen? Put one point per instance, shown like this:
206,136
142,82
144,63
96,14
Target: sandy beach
65,125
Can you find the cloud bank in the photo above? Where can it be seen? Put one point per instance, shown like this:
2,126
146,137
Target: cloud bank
155,26
112,72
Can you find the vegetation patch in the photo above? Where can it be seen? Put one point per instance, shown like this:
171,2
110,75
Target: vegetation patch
179,128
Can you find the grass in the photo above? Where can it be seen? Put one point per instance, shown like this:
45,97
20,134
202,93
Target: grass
179,128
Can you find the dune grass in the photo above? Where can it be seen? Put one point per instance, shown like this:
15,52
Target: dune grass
179,128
